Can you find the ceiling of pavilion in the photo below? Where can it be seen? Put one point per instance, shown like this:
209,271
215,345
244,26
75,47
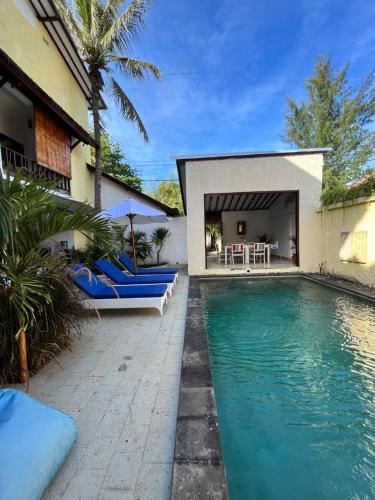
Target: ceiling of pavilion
229,202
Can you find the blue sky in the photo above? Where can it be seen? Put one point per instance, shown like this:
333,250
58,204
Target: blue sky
227,67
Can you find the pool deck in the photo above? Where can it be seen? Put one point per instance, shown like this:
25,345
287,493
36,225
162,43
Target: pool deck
351,287
121,383
199,471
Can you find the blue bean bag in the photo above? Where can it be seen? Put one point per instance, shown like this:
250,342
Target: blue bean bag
35,440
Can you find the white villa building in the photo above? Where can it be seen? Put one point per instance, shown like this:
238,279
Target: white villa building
250,197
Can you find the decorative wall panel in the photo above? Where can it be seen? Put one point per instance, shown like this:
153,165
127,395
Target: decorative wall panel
52,142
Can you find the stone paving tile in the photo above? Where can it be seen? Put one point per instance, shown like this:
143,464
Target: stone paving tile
154,481
121,384
121,474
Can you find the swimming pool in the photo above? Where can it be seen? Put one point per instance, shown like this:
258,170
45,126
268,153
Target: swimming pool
293,366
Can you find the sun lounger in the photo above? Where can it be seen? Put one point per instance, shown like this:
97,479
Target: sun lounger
129,265
35,441
117,276
103,296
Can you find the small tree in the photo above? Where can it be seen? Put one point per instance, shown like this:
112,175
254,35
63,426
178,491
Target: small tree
169,193
143,247
114,163
158,237
105,32
337,115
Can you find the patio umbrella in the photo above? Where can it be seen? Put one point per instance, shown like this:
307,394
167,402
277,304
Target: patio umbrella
131,212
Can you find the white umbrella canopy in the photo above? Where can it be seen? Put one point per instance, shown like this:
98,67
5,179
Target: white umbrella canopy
131,212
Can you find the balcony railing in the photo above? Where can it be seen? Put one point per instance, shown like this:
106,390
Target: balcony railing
16,162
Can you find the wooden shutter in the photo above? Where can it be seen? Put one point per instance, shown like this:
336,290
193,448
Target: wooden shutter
52,143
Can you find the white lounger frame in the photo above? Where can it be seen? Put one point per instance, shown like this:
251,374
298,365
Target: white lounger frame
128,273
150,275
137,303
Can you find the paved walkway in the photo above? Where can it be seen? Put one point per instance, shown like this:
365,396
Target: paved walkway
121,384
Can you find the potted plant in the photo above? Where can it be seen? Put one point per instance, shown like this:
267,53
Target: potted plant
293,247
143,247
158,237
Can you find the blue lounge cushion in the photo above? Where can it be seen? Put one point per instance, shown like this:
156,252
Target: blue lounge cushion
35,440
93,286
118,277
129,265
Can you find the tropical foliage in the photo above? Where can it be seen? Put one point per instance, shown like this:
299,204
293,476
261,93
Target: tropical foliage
347,193
143,247
169,193
32,280
158,238
335,115
105,32
114,163
100,249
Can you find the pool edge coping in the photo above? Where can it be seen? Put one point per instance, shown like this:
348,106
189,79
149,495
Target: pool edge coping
338,283
198,466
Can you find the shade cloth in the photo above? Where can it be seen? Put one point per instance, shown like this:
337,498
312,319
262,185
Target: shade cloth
133,212
139,212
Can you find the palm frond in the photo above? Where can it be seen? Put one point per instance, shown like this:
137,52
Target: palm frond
135,68
120,34
127,108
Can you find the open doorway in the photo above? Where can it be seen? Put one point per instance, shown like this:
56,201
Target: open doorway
239,224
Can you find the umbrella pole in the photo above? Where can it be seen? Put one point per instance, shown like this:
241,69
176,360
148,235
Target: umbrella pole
133,243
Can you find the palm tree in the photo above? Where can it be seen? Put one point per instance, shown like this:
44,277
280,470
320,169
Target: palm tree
30,216
105,31
158,237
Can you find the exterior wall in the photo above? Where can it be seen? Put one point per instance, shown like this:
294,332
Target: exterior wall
28,43
355,216
175,248
274,173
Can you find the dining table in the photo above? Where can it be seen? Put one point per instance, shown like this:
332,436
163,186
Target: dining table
247,247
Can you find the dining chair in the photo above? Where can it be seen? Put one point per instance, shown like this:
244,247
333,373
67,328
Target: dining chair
237,250
258,250
220,253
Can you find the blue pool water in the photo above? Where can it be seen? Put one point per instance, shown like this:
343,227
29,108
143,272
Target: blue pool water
293,366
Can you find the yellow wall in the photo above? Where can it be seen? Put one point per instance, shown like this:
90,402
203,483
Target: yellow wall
27,42
355,216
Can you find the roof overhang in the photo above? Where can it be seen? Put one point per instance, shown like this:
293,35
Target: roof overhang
11,72
46,13
181,161
172,212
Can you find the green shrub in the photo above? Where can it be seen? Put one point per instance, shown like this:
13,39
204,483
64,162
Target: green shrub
143,247
54,330
37,305
345,193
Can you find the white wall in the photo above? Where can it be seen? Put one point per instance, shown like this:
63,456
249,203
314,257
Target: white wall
301,173
175,248
257,223
282,225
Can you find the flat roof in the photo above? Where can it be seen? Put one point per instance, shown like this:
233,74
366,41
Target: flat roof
251,154
181,160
